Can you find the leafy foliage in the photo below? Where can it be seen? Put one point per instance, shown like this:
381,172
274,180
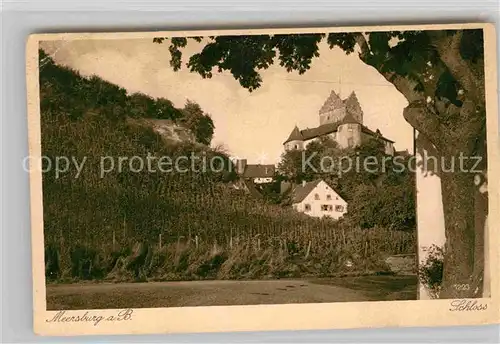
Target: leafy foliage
405,53
198,122
431,270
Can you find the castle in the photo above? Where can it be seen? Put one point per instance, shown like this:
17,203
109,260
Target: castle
342,120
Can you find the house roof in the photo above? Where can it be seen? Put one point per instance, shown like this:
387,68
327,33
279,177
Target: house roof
324,129
301,191
252,190
259,171
368,131
402,152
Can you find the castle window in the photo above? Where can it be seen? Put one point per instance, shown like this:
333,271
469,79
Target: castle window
307,207
316,196
296,146
339,208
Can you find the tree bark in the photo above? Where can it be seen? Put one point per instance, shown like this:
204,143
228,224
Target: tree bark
459,212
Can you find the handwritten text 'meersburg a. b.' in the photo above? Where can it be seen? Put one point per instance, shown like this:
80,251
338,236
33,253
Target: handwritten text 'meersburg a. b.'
60,317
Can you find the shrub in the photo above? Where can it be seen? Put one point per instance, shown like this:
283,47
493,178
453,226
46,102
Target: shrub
430,271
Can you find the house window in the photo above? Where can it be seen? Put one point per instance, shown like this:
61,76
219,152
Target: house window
350,142
328,197
296,146
307,207
324,207
339,208
316,196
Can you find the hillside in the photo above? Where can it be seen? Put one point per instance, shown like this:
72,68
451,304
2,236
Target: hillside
128,224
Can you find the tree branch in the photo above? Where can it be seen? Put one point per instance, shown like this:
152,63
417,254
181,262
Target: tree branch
448,48
420,117
402,84
363,45
417,113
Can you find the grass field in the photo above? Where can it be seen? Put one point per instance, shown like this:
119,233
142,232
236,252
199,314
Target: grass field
216,293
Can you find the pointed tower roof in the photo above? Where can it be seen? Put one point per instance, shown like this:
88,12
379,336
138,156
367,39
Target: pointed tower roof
352,95
332,102
295,135
353,106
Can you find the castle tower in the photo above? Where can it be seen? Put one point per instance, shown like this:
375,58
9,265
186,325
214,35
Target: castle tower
349,132
295,140
353,107
333,110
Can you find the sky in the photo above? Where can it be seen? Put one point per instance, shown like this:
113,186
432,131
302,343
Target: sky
251,125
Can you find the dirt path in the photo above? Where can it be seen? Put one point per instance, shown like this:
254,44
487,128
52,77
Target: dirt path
200,293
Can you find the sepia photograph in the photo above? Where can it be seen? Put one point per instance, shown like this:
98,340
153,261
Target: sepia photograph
260,168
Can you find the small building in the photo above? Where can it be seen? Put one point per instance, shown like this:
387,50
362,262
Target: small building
258,174
318,199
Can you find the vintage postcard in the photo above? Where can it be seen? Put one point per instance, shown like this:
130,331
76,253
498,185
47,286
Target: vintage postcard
270,179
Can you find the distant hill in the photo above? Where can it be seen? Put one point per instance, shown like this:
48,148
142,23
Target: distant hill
131,223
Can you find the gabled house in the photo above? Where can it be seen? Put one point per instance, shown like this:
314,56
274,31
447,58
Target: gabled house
318,199
258,174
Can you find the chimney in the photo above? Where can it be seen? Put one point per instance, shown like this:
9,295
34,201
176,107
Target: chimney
241,164
285,186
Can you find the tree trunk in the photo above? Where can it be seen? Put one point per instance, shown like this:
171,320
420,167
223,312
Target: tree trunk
452,129
459,212
481,278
